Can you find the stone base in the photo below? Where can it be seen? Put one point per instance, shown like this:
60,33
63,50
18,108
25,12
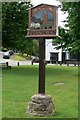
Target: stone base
41,105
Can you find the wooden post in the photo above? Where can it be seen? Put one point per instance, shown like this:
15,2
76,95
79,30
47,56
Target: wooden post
41,88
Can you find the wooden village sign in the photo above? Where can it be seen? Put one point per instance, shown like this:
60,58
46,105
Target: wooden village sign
42,21
42,25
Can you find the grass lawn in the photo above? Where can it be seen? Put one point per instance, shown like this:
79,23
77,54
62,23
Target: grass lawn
20,83
20,57
0,93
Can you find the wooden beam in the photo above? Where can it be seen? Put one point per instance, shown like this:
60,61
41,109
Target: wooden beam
41,88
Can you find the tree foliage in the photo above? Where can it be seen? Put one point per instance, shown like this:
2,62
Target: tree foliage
14,27
63,40
73,9
70,38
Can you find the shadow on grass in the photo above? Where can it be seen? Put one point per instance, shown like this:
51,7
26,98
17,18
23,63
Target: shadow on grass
34,70
21,71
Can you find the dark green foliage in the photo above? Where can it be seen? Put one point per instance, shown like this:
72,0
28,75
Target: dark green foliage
73,9
14,24
14,27
70,38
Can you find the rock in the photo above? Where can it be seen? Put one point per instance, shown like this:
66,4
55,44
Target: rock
41,105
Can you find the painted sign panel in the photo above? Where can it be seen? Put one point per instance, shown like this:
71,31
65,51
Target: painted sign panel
42,21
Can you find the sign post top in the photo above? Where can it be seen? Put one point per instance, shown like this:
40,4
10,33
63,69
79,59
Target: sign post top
43,4
42,21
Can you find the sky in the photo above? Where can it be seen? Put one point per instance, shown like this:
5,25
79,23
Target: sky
61,16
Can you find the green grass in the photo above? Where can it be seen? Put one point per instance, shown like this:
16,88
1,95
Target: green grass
20,83
20,57
0,93
17,57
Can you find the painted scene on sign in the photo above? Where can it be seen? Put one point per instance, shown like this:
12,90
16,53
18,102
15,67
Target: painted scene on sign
42,20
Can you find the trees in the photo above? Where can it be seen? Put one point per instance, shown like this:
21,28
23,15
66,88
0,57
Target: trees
14,26
73,9
64,39
70,38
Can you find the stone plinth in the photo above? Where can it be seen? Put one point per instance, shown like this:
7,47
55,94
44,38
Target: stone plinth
41,105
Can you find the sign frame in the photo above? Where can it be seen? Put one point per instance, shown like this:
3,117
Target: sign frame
43,21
